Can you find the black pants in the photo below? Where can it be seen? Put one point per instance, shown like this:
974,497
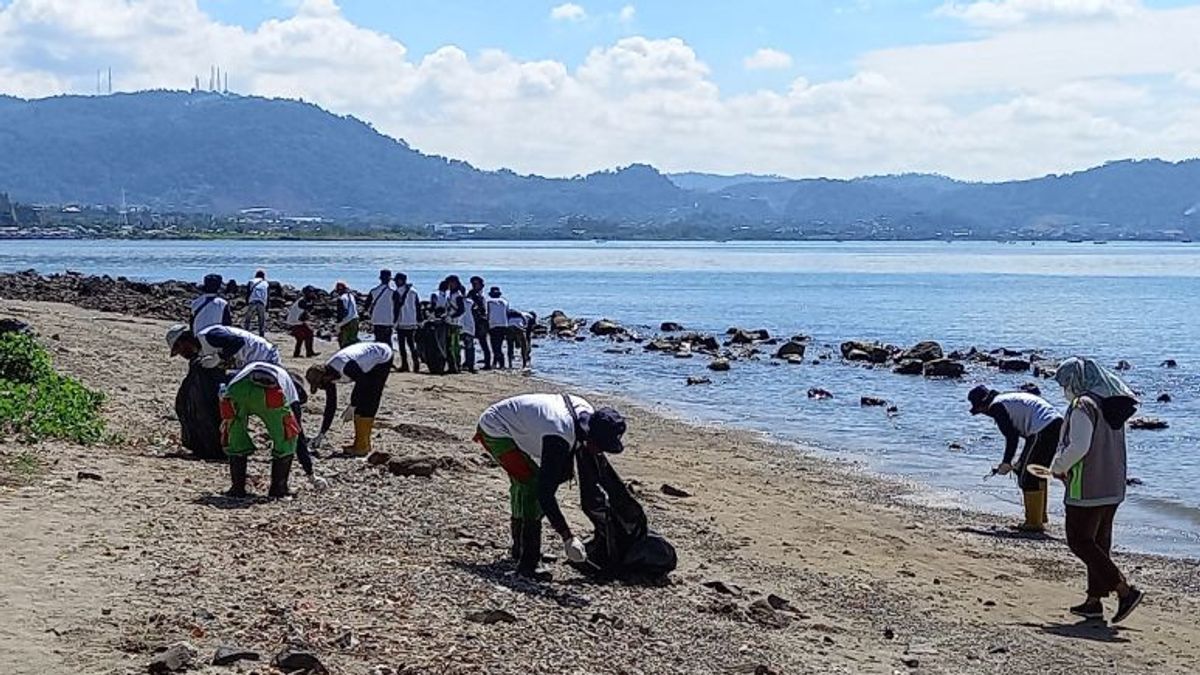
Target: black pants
481,333
406,343
368,391
1040,452
1089,536
468,347
383,334
497,337
302,453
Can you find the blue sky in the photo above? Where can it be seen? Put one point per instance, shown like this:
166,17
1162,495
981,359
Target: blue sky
976,89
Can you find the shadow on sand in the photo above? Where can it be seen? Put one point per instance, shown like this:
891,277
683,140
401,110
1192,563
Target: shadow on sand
1095,630
1007,533
503,573
220,501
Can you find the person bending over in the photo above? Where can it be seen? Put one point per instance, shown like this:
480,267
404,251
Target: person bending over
367,365
218,345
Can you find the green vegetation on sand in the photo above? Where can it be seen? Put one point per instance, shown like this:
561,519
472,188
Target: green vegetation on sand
36,403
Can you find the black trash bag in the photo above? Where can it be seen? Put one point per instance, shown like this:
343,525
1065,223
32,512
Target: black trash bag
623,545
199,412
432,339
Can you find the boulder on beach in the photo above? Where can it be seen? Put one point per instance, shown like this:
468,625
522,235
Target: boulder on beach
872,352
790,348
944,368
607,328
909,367
923,351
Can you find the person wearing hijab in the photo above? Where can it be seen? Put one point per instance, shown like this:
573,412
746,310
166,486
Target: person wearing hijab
347,315
1091,463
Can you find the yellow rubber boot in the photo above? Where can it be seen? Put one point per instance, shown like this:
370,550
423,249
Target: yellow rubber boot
1035,508
362,436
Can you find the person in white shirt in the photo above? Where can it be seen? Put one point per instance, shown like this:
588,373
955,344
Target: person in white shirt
497,313
217,345
407,321
455,294
367,365
383,306
297,322
347,315
468,333
257,292
209,308
520,334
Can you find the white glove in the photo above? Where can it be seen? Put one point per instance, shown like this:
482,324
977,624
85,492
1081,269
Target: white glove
576,553
348,413
210,360
317,441
318,482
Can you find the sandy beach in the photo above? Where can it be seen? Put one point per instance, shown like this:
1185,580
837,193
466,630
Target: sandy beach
821,569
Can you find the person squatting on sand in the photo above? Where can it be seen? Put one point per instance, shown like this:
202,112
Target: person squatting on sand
209,308
257,292
218,345
383,308
297,321
347,315
270,393
1091,463
1020,416
367,365
535,438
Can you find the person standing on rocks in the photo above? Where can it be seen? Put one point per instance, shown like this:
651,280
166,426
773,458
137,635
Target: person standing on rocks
297,320
1091,462
216,345
268,392
347,315
383,306
257,292
367,365
1022,416
534,437
497,313
480,312
209,308
408,320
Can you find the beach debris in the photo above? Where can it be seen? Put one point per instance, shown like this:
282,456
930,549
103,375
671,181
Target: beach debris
1170,363
909,367
175,658
1164,398
88,475
694,380
228,655
719,365
922,351
944,368
293,660
488,617
1123,365
672,491
819,394
670,327
1013,365
1148,423
791,348
871,401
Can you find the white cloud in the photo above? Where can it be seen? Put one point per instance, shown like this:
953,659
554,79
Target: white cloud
767,59
1018,102
627,14
1002,13
568,11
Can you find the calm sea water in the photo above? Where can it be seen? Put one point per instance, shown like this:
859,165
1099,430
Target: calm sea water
1120,301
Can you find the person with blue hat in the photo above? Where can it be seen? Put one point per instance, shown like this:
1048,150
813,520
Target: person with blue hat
536,438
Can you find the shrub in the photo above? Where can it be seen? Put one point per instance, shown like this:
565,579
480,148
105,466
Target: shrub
37,403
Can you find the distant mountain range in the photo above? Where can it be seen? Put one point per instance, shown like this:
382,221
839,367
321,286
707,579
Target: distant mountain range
212,153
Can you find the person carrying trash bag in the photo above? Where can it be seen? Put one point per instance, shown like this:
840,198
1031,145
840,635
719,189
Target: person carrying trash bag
535,438
367,365
1022,416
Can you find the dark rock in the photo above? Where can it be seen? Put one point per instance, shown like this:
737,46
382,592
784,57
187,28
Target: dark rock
561,323
672,491
1031,388
955,446
923,351
228,655
889,634
1133,482
292,660
909,367
1013,365
1164,398
88,475
893,410
1006,352
944,368
1044,372
723,588
778,603
761,612
670,327
911,663
819,394
661,345
871,401
873,352
1123,365
422,467
790,348
743,337
378,458
693,381
1148,423
607,328
719,365
1169,363
176,658
491,616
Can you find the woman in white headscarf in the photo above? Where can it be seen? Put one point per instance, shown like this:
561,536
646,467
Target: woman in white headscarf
1091,463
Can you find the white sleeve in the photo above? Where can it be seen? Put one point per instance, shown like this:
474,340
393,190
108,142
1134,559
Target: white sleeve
1077,443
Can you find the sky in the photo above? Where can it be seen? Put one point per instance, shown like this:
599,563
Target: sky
974,89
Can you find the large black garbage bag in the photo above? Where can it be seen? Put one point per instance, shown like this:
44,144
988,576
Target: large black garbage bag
199,412
623,546
432,341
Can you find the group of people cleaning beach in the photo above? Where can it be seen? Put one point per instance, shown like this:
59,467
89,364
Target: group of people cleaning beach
540,440
543,440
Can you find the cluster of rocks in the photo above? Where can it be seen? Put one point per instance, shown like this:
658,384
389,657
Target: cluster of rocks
929,359
182,656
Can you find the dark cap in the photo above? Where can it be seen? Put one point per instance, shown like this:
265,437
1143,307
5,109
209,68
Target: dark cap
980,398
605,429
494,292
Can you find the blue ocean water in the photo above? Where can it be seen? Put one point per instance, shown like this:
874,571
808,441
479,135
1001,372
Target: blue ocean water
1136,302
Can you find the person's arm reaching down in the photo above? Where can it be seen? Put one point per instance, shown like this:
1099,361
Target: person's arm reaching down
1078,442
556,461
1011,437
330,408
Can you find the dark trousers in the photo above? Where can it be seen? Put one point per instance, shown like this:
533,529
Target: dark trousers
1089,536
468,346
481,333
1040,452
383,334
304,338
302,452
368,391
406,342
497,336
